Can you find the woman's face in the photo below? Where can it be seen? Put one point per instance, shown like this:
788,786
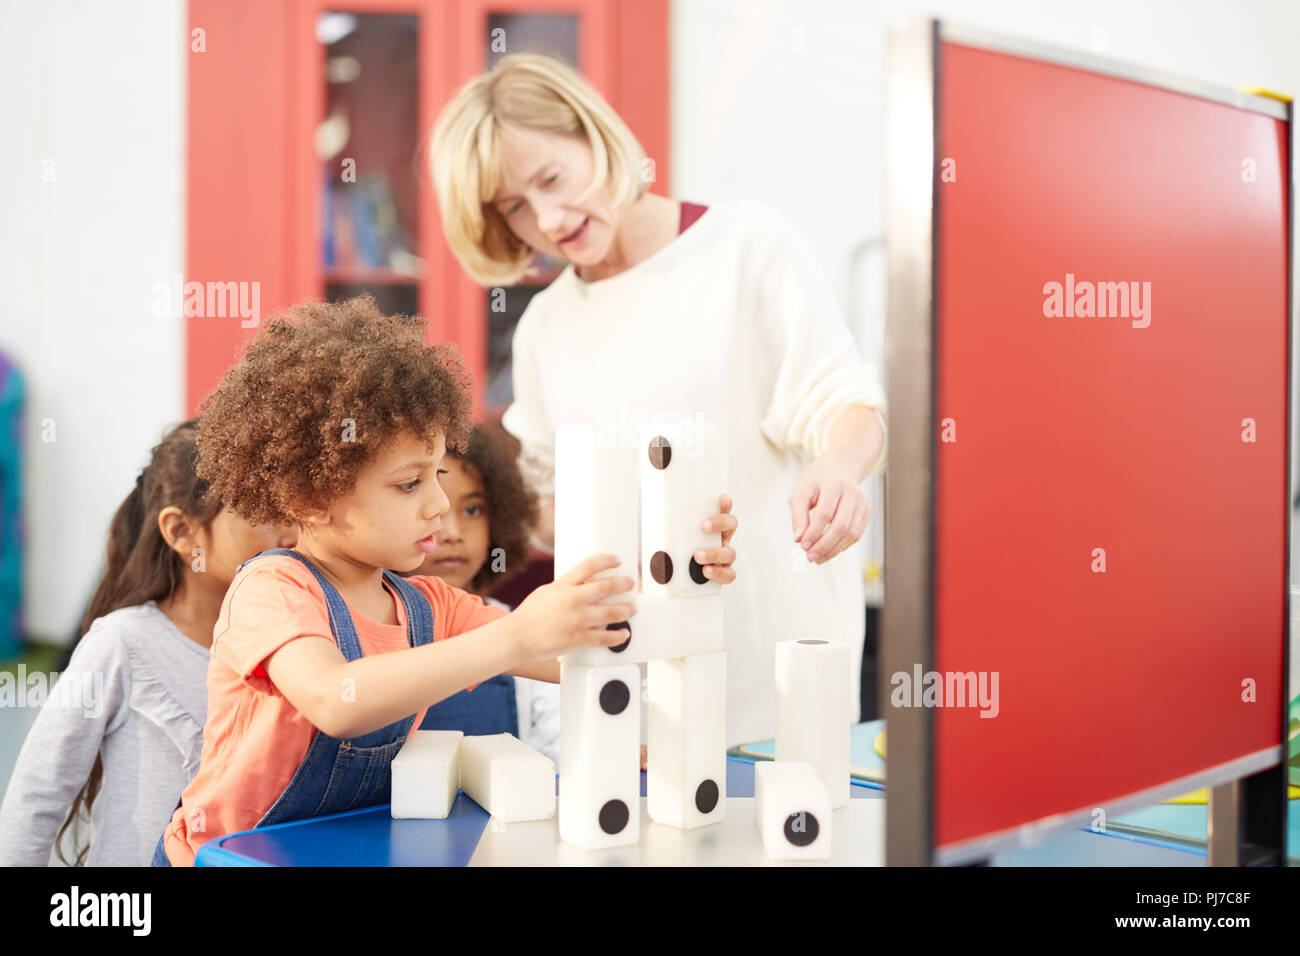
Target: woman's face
463,543
543,175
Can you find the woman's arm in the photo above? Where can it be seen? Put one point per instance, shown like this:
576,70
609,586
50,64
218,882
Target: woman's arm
827,402
828,508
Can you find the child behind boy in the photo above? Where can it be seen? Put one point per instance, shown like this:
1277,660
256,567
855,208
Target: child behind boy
483,544
338,419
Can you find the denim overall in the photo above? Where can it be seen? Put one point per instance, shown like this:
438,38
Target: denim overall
339,775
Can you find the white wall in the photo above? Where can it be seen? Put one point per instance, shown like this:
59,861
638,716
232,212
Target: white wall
98,89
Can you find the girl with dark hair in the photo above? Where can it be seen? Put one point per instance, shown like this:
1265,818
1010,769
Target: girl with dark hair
117,753
484,543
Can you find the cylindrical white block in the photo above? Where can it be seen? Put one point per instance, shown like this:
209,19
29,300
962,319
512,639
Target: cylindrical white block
813,710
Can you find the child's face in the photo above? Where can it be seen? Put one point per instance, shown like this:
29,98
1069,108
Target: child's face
463,543
392,517
229,540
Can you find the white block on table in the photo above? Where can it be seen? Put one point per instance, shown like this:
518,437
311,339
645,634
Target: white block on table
663,627
792,810
426,775
683,472
507,778
600,754
596,502
686,740
814,710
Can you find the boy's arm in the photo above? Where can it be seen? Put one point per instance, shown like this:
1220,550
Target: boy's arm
539,670
347,698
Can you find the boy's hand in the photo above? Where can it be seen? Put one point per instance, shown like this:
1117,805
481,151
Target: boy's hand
717,561
565,615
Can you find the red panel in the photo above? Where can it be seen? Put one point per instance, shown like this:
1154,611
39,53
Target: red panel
235,228
1083,433
640,86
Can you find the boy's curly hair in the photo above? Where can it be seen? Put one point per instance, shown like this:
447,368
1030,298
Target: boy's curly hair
512,509
322,388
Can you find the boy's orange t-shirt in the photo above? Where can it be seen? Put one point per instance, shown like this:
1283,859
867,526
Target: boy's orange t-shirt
253,738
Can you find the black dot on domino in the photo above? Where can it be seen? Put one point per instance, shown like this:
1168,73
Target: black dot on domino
801,828
613,816
697,572
614,697
706,796
812,642
620,626
661,452
661,567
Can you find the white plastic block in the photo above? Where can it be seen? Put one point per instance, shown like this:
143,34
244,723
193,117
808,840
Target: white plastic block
686,741
596,503
426,775
507,778
663,627
792,810
600,755
683,472
814,708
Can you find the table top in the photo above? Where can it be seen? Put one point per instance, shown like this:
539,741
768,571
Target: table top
371,837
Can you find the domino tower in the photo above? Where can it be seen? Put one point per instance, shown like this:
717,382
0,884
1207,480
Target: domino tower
644,502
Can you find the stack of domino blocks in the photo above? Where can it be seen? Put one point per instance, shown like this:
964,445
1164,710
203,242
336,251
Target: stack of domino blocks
648,501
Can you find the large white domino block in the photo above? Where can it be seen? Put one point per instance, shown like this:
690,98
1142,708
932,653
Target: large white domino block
663,627
507,778
596,503
683,472
686,741
792,810
426,775
813,710
600,754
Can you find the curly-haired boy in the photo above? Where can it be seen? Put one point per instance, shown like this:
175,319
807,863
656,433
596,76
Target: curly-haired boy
337,419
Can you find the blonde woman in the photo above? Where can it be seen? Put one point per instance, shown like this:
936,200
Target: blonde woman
672,310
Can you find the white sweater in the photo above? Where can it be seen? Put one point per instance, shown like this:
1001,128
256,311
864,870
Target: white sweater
732,321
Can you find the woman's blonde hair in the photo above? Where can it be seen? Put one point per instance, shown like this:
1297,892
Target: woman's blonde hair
523,91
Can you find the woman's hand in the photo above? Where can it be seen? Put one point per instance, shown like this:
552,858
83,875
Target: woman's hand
567,614
717,561
827,508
